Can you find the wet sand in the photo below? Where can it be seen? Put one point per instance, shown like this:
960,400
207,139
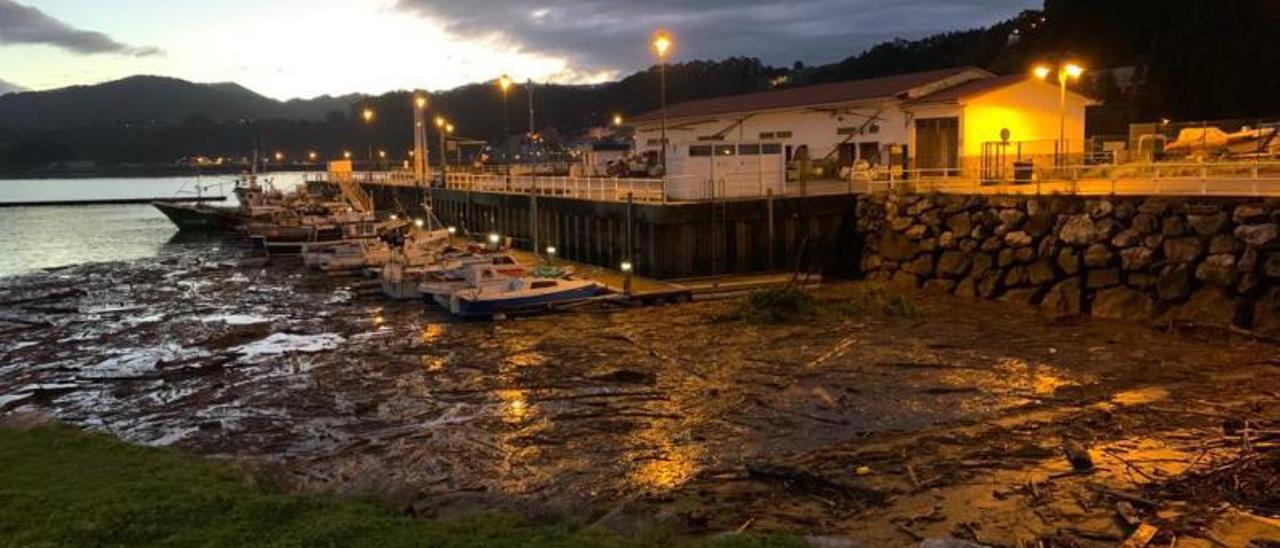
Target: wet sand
870,426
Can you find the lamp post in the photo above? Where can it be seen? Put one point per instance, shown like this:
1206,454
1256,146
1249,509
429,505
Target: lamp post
367,115
662,44
444,160
504,84
1066,72
420,138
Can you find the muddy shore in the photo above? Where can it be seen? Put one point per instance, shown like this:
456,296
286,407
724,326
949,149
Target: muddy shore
882,428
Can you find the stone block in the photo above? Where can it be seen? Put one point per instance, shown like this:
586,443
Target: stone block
1145,223
1218,269
1079,230
1041,272
954,264
1069,261
1102,277
1099,208
921,266
1224,243
1137,258
1174,283
1182,250
1173,226
982,264
939,287
1251,213
1208,225
1261,236
1098,256
1209,306
1126,238
960,223
1063,300
1122,303
1017,238
904,279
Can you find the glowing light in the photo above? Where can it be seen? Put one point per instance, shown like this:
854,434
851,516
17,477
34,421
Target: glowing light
1042,72
367,114
494,238
418,223
453,230
382,154
504,83
662,43
626,266
448,128
440,121
420,101
395,217
279,156
346,154
312,155
1073,70
617,119
551,250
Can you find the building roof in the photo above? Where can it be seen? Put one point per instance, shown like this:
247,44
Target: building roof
982,86
821,94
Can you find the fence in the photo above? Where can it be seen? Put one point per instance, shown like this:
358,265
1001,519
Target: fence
605,189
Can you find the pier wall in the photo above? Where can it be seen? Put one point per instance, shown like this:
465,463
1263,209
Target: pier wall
1205,261
815,234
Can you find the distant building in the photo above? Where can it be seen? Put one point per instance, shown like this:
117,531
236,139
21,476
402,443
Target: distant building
941,120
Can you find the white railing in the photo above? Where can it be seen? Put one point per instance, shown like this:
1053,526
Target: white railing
606,189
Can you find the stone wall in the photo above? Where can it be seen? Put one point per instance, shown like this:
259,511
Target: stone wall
1198,260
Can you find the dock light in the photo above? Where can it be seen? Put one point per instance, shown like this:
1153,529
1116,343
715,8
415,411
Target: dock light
346,154
420,101
279,156
1073,70
662,43
452,230
617,120
448,128
312,155
1042,72
382,154
418,223
551,250
1066,72
367,114
439,121
395,217
504,82
494,238
626,266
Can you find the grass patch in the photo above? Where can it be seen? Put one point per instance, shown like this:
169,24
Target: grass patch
63,487
777,305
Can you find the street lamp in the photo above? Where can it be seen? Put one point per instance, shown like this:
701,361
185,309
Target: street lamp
627,268
367,115
444,160
617,120
1066,72
662,44
504,83
419,152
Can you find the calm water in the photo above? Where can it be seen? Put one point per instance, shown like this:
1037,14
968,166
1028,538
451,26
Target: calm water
32,238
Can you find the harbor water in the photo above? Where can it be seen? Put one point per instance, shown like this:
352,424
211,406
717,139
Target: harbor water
35,238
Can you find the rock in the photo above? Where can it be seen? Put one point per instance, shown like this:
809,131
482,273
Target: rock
960,223
1209,306
967,288
1024,255
1145,223
927,245
988,284
1250,213
954,264
1154,241
872,262
1106,229
1140,280
1005,258
1011,218
991,244
1048,247
1038,224
917,232
947,240
1063,300
1182,250
982,264
1223,243
1015,276
921,266
949,542
1136,258
939,286
1069,261
1121,303
1208,225
1248,284
899,224
1248,262
1266,314
1017,238
1079,230
1156,207
1099,208
1041,272
1125,210
1173,226
1174,283
1100,278
968,245
932,218
1098,256
1126,238
1261,236
1271,266
1218,269
896,247
904,279
1023,297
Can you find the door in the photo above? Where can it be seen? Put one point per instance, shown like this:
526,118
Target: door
869,152
938,147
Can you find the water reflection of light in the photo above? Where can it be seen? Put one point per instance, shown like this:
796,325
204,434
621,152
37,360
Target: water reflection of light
431,332
515,408
433,364
677,465
377,318
1038,378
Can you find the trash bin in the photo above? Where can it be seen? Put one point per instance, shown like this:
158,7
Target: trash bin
1023,171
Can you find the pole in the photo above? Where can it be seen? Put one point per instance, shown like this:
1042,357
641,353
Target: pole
444,159
530,86
1062,116
662,76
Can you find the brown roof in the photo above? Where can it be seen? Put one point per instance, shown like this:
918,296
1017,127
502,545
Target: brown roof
821,94
972,88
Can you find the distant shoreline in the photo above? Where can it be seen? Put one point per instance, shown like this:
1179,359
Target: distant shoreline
150,171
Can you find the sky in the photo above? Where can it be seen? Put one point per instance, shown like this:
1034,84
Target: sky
305,48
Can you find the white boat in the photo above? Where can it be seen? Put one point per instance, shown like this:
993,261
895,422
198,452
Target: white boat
436,282
487,294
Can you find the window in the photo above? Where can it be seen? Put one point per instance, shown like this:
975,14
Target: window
770,149
543,284
767,135
700,150
711,138
783,135
748,150
724,150
847,131
874,129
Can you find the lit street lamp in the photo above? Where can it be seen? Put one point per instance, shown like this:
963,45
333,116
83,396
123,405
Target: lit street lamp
617,120
367,115
662,44
419,153
504,83
1067,71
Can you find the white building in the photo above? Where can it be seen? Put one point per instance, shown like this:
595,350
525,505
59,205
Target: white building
949,122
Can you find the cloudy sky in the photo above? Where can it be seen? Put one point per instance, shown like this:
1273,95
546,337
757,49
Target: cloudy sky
304,48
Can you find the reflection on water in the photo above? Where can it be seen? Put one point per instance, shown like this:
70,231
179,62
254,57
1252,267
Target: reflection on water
34,238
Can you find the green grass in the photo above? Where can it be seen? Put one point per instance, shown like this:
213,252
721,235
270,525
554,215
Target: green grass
63,487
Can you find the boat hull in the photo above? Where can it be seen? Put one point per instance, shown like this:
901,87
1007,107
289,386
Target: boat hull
196,218
488,307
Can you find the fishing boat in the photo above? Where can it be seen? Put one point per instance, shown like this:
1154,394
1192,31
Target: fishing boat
437,282
522,294
200,217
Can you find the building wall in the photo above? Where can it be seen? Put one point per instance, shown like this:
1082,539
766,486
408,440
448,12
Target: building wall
1030,111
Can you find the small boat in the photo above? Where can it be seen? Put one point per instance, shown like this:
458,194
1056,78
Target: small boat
201,218
438,282
520,294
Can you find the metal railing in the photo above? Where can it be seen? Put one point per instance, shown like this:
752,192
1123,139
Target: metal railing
606,189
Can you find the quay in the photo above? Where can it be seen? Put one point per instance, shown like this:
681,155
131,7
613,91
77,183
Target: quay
113,201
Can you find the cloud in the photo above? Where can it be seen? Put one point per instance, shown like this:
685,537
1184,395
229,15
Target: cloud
9,87
595,35
21,24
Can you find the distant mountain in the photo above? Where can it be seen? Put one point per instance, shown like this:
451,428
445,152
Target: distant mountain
6,87
154,101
